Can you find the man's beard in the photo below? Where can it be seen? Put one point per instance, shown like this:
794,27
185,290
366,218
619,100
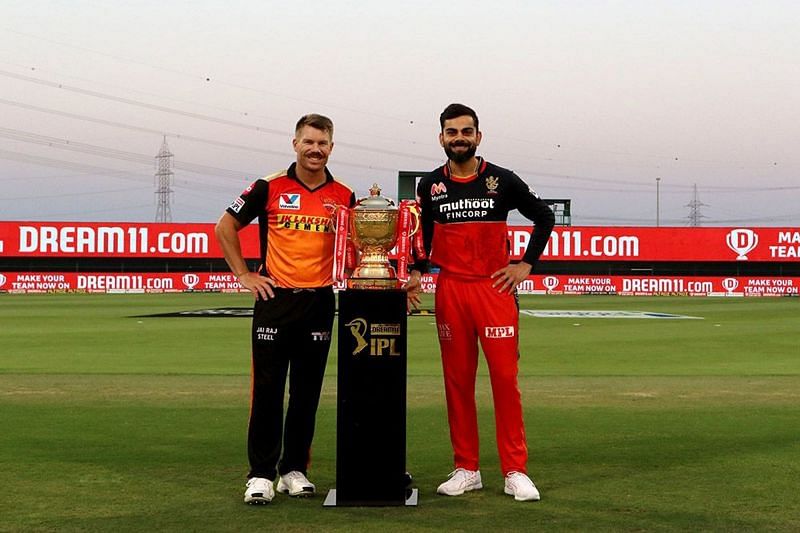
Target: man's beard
460,157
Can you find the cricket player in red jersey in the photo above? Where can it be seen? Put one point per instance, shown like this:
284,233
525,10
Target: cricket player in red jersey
294,307
465,205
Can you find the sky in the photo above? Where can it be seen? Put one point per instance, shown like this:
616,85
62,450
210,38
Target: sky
632,110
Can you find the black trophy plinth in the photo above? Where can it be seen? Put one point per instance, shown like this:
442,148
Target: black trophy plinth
371,406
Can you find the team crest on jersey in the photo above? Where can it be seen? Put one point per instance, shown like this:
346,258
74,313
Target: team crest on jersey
290,201
491,184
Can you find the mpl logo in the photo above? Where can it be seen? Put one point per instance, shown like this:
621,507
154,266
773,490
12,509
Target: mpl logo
742,241
190,280
501,332
289,201
3,280
550,282
730,284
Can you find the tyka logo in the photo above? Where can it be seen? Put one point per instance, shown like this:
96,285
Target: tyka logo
550,282
190,280
730,284
289,201
742,241
320,335
3,280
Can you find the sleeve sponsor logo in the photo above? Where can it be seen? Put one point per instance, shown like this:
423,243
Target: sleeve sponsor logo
289,201
237,205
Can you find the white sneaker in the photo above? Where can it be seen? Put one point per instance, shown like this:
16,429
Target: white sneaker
521,487
295,483
259,491
461,481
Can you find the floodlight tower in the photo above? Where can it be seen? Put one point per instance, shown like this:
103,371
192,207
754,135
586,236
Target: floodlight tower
694,209
163,182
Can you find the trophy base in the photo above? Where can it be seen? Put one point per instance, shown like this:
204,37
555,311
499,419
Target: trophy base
381,284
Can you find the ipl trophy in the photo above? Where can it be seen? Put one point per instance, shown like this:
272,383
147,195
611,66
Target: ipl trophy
371,380
373,227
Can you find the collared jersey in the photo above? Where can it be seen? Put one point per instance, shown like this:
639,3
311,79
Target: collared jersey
295,226
464,219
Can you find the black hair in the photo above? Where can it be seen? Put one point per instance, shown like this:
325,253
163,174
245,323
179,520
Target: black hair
458,110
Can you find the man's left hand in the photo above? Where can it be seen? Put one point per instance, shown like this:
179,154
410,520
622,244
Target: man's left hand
509,277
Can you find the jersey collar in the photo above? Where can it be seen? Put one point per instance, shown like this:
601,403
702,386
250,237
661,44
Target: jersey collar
466,179
292,173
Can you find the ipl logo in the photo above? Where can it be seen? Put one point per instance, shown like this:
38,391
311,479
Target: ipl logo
358,327
190,280
550,283
730,284
742,241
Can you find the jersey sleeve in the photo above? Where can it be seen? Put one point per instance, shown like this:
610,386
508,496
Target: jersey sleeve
250,203
532,207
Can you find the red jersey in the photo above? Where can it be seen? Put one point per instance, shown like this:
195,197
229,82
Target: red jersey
464,219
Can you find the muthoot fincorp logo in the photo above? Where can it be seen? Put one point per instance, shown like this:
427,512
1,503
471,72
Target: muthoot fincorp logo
467,208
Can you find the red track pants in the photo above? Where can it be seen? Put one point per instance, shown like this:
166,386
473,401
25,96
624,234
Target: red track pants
466,311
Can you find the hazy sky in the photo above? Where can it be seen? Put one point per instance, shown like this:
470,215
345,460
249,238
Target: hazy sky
588,100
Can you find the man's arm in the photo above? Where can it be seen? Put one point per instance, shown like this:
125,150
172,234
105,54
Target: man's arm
535,209
227,233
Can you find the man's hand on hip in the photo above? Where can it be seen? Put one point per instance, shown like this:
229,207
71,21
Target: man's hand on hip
507,279
258,285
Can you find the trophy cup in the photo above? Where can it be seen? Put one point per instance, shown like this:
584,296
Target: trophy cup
372,350
374,226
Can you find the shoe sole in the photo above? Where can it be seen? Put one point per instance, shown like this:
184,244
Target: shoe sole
511,493
474,487
302,494
257,500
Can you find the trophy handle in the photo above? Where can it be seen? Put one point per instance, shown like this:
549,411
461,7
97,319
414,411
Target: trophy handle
417,216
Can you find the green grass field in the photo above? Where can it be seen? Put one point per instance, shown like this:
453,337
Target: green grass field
117,423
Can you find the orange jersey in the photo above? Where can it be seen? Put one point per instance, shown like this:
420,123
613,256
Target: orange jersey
295,226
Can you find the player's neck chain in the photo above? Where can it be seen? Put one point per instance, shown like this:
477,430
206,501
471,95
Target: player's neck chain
474,172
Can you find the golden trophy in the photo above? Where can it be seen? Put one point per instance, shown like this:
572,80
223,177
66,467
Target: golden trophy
374,227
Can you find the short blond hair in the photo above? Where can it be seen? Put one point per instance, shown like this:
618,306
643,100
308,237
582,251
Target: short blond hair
314,120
